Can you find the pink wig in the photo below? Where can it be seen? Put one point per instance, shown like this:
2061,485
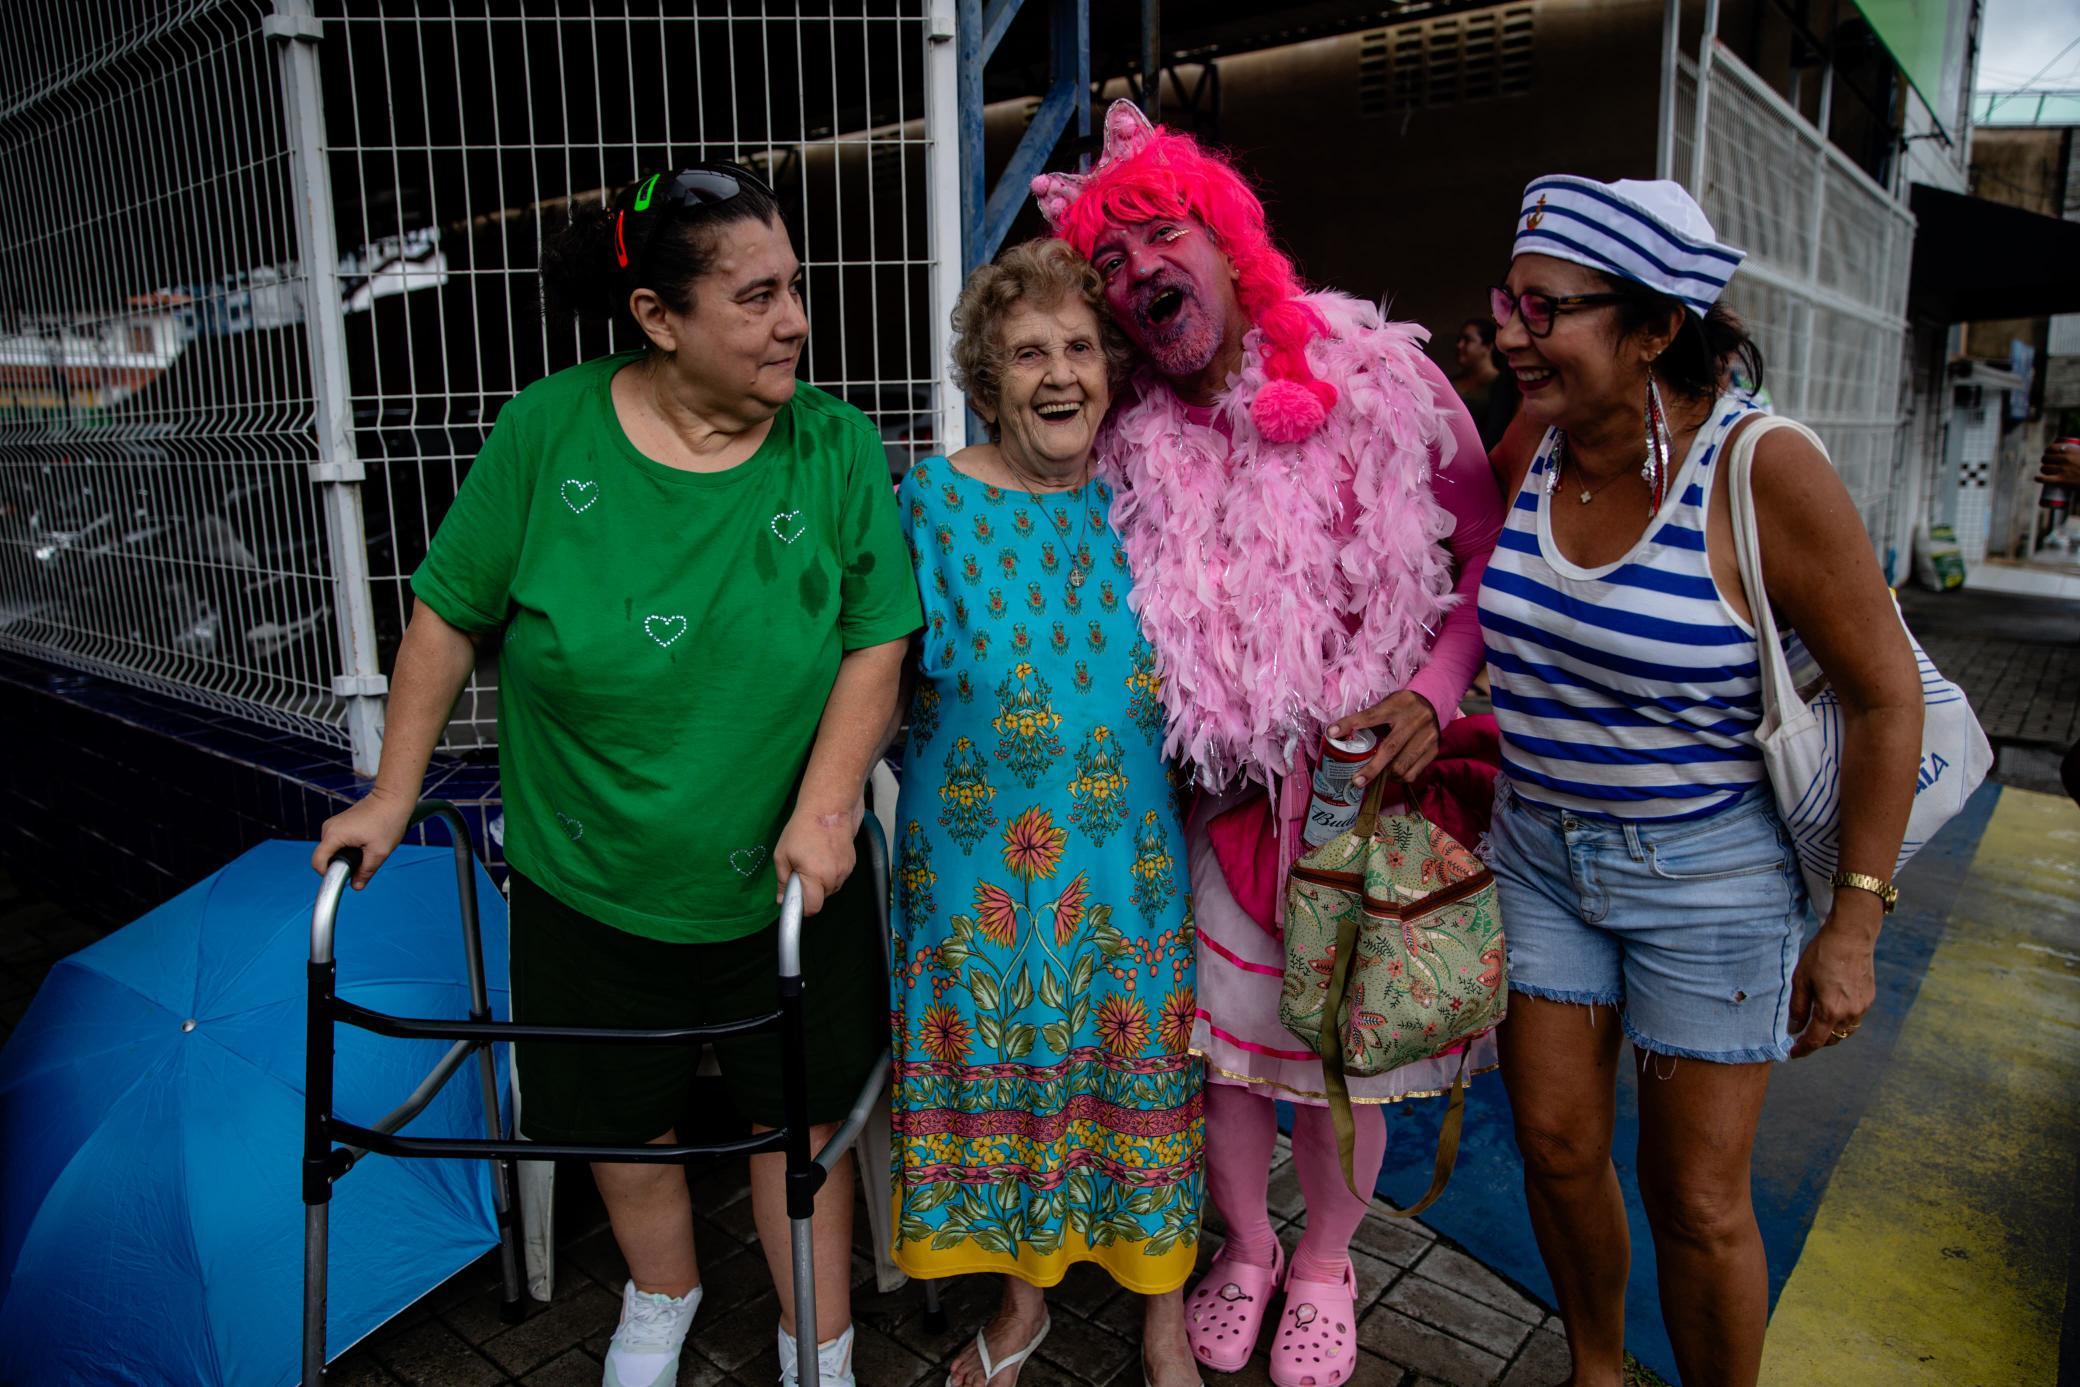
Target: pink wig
1149,173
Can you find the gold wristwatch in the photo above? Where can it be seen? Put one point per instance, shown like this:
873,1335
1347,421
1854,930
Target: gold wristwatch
1883,890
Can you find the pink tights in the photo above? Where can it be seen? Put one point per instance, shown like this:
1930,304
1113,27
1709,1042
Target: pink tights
1238,1177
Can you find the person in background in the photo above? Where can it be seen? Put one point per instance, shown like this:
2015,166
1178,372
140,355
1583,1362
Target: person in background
1478,370
2061,467
1048,1108
1484,383
1650,890
694,564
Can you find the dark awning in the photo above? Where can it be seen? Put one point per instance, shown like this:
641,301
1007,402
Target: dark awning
1975,259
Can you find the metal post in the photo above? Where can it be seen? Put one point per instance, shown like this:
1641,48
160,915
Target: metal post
1707,45
1152,59
1816,224
973,185
359,681
942,119
1671,45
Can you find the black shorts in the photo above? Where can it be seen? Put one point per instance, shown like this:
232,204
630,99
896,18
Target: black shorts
569,969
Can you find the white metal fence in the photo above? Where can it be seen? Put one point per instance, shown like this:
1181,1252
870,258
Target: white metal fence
1824,287
169,374
156,520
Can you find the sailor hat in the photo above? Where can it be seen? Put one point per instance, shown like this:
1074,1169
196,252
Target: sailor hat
1652,233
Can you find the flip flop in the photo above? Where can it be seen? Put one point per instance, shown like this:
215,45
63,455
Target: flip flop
991,1367
1225,1309
1317,1340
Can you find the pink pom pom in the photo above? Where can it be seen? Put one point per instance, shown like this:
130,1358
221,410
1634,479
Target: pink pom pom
1286,411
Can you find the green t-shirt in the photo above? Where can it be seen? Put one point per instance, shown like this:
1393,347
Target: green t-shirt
671,639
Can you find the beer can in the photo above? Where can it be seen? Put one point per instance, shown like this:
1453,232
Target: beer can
1333,807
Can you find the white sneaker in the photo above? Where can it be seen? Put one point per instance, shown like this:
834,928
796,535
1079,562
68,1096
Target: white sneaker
833,1361
645,1351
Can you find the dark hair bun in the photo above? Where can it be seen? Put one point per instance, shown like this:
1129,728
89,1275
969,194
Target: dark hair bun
580,281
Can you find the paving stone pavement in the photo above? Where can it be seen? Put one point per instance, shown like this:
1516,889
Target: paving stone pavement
2016,658
1429,1315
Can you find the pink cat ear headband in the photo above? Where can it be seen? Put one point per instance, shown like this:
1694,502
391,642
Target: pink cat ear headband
1127,133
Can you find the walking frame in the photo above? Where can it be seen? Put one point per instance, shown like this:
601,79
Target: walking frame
332,1145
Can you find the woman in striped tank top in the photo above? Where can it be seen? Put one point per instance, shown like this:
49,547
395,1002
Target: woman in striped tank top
1649,889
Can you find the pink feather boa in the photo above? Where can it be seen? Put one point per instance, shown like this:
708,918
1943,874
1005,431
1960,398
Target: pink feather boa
1271,610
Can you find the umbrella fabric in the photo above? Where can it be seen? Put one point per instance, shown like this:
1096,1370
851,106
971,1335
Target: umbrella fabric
151,1215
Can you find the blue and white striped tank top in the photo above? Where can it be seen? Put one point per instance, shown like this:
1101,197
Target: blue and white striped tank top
1629,691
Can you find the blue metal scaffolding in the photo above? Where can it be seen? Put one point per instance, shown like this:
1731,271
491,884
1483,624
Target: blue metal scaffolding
987,212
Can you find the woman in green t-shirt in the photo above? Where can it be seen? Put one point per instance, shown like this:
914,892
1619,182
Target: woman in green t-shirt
695,568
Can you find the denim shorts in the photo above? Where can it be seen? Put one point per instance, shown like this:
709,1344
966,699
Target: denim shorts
1691,930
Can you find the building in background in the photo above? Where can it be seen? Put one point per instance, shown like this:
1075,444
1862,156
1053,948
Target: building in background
2015,369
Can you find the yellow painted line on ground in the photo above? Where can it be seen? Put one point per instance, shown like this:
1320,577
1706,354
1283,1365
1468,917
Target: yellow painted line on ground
1939,1252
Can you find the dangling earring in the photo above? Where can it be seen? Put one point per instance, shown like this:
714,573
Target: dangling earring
1553,460
1660,448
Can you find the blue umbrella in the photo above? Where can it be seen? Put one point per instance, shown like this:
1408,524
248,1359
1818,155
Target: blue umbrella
151,1110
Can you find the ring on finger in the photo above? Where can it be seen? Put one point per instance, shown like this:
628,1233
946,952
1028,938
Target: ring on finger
1843,1035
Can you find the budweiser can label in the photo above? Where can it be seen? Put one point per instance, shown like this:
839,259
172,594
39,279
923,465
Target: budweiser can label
1333,807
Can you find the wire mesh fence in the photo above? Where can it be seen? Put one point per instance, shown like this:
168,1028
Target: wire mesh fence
460,139
157,518
1824,286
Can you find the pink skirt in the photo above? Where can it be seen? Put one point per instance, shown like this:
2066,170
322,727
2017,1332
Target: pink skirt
1241,967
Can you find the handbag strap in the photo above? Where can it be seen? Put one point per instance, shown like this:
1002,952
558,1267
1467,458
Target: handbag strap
1329,1040
1447,1158
1778,692
1345,1123
1368,810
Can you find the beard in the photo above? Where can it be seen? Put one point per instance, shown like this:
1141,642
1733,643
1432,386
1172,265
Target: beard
1181,344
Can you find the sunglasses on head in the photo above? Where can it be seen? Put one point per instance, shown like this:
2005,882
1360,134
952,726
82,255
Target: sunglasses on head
1540,310
696,185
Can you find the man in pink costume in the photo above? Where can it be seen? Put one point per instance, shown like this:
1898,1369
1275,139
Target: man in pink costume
1308,511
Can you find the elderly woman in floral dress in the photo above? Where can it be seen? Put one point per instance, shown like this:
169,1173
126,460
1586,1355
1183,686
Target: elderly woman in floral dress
1047,1106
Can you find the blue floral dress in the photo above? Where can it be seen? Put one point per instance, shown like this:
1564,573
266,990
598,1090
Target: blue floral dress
1048,1110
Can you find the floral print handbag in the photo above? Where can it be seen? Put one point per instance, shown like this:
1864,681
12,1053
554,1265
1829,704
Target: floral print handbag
1394,953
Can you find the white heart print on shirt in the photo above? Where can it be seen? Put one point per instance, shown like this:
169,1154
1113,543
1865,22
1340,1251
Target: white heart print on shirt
571,827
788,526
580,496
664,629
745,861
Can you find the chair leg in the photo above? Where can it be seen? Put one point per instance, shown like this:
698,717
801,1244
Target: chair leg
934,1313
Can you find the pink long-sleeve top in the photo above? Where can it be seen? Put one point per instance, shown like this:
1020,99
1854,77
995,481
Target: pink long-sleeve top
1465,487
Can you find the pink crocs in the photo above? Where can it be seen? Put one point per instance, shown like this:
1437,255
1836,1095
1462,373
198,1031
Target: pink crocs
1223,1312
1317,1340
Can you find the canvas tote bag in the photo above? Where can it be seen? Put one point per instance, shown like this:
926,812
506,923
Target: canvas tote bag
1801,732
